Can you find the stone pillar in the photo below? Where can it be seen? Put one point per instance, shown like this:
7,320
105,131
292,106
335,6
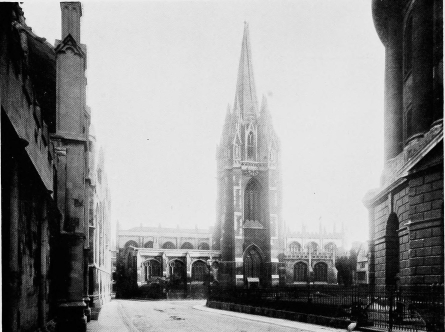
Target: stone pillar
422,67
393,123
71,316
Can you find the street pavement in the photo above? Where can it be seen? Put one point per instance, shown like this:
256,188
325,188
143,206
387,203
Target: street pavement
139,315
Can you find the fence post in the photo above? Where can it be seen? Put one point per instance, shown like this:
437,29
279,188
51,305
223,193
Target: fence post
390,299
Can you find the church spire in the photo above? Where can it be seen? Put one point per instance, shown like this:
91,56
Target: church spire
245,88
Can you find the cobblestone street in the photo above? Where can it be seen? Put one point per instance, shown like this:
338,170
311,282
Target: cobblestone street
134,315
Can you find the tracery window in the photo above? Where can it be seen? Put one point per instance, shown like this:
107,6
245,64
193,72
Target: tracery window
187,245
294,247
148,244
252,201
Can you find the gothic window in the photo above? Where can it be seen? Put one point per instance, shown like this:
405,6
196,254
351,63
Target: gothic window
187,245
321,272
148,244
252,201
203,246
168,245
300,272
330,247
312,247
252,263
152,269
199,271
294,247
250,146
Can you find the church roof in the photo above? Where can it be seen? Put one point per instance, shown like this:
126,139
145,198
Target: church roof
245,96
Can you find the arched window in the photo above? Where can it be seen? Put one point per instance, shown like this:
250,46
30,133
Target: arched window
236,152
131,243
252,201
294,247
187,245
300,272
321,272
392,248
250,146
252,263
168,245
204,246
177,270
152,269
148,244
199,271
312,246
330,247
408,46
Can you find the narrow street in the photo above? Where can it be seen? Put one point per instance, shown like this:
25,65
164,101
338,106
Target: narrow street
138,315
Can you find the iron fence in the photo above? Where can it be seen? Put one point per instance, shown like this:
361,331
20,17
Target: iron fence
391,309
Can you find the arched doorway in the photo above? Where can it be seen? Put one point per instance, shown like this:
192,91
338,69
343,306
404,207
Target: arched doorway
300,272
252,263
321,272
199,271
177,271
152,269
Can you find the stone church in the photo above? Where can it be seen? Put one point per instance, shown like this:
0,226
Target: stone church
250,246
249,228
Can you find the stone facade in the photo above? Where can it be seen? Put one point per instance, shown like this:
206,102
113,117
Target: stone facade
46,188
406,212
177,254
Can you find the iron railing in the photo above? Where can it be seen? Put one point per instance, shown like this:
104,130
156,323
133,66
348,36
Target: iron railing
390,309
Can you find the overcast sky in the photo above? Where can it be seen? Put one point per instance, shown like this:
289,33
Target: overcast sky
160,76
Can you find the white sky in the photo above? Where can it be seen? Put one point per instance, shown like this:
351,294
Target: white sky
160,76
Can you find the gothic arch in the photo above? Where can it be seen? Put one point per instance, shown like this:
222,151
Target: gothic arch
321,272
253,262
199,270
177,270
392,248
152,269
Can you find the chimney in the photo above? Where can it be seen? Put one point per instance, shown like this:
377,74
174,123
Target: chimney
71,13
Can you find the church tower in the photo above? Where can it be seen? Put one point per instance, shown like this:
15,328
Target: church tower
248,225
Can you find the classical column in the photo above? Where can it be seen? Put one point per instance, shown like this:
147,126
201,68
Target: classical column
393,130
422,67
